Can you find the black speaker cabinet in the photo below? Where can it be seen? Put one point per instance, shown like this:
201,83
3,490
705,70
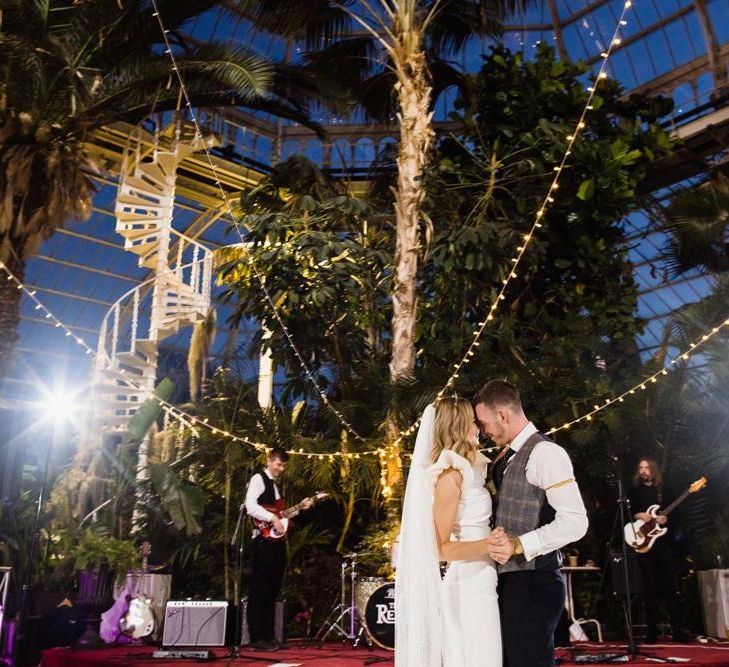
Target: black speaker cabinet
195,623
617,574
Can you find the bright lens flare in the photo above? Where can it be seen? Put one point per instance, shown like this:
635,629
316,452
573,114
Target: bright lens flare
59,406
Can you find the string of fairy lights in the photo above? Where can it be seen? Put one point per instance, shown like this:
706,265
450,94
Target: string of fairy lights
224,196
470,353
194,422
644,384
188,420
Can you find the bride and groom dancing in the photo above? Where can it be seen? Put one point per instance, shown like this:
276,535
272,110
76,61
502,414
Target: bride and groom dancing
503,591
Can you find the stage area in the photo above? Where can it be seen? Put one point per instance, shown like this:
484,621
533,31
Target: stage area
337,655
330,655
714,654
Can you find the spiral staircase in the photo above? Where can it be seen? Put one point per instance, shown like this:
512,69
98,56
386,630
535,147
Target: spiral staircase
175,296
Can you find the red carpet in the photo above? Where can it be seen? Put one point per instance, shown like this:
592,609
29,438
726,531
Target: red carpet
337,655
331,655
716,655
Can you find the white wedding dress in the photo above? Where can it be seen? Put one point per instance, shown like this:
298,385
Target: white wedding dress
453,622
471,626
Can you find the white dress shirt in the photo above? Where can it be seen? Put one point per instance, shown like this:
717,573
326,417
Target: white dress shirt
549,467
255,488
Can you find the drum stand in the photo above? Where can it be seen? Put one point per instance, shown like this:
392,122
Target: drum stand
345,619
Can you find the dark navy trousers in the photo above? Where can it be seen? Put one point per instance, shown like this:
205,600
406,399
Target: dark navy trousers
531,603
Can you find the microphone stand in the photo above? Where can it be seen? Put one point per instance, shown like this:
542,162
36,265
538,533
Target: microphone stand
237,638
626,516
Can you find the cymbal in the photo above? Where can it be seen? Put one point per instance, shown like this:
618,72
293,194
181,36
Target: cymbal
355,554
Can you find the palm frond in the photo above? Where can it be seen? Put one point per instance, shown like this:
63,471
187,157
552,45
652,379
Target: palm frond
697,222
315,22
231,70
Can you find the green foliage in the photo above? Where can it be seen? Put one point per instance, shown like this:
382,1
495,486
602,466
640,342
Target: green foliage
326,258
182,501
94,549
147,413
83,65
696,225
220,469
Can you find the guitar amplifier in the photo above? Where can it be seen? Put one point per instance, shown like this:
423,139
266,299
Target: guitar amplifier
714,589
195,623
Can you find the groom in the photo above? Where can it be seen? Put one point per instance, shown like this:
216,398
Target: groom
539,511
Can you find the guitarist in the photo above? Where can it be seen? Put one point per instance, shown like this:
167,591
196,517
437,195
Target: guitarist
268,560
658,565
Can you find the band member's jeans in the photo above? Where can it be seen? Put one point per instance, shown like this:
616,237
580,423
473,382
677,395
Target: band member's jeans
658,569
268,562
531,603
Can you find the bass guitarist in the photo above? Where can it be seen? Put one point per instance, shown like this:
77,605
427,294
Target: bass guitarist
658,565
268,560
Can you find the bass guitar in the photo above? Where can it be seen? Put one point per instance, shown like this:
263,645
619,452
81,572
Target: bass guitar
641,535
267,530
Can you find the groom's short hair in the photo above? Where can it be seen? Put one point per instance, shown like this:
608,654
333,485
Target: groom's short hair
498,393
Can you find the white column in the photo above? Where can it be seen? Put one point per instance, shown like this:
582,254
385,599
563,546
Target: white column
265,372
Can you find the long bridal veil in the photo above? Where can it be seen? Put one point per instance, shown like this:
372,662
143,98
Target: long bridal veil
418,588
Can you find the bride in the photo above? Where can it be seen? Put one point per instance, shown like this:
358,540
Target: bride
452,621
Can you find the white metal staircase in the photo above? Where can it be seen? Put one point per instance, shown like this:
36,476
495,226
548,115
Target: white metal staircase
177,295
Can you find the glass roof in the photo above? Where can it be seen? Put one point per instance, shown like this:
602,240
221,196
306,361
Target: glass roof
676,47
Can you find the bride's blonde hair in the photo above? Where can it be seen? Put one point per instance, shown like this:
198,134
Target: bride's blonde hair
453,420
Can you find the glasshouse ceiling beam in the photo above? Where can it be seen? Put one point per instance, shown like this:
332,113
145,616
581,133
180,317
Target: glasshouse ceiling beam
85,267
72,327
718,68
90,239
703,145
70,295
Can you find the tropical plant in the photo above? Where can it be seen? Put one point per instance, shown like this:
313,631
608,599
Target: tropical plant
71,67
696,223
394,62
220,468
94,549
573,304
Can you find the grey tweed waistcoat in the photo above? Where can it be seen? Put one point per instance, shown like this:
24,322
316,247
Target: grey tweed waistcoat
523,507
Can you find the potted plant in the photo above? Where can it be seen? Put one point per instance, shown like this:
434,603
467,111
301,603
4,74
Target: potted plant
98,560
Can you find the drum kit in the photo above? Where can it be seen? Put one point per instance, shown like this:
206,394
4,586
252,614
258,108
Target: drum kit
368,614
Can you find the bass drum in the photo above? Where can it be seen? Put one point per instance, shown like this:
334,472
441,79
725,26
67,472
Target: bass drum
379,616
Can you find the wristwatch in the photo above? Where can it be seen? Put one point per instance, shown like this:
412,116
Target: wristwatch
518,547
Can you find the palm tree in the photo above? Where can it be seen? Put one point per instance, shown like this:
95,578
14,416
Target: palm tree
395,63
69,67
396,68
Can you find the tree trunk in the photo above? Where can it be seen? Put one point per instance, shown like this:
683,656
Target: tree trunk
416,136
9,312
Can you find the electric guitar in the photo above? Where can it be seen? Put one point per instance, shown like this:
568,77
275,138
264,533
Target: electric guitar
641,535
138,621
268,532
